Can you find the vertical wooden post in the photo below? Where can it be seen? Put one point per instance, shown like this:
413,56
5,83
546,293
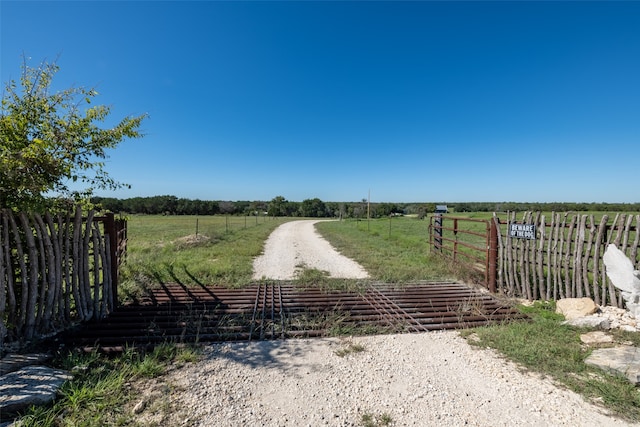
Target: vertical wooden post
492,257
111,233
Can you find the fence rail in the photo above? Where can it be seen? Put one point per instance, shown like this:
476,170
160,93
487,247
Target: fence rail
56,270
467,240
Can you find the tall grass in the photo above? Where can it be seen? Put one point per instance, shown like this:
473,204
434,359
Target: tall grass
164,249
392,250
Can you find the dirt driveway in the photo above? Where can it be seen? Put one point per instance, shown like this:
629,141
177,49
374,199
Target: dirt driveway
296,245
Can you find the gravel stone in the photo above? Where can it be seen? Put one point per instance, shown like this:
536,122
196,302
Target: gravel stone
433,378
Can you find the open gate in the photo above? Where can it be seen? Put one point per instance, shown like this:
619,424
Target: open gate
471,241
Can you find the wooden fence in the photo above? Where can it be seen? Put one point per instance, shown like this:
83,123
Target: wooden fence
56,270
564,259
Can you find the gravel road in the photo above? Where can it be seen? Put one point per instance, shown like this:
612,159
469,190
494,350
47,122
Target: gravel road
426,379
297,244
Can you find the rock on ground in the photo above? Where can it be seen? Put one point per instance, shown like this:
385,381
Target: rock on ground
30,385
620,360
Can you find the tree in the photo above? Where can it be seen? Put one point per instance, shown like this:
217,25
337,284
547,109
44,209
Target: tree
386,209
50,140
314,208
277,206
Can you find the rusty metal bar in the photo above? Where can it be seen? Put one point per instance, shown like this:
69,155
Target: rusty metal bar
452,250
264,309
398,310
255,311
282,313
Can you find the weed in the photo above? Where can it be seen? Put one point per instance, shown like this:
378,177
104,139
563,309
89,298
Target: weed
309,276
403,257
100,388
158,253
349,348
349,329
370,420
188,354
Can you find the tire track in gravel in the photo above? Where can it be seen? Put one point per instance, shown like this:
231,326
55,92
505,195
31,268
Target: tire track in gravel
295,245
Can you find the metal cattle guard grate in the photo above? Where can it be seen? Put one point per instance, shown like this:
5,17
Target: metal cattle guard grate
277,311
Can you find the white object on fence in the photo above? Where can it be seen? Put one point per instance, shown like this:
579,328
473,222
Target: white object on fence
624,277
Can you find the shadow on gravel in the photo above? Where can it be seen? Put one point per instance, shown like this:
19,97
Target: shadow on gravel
280,354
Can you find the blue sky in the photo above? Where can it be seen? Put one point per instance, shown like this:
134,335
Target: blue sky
410,101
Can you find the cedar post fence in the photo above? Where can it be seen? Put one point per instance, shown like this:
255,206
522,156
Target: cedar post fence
56,270
111,237
565,259
550,259
541,258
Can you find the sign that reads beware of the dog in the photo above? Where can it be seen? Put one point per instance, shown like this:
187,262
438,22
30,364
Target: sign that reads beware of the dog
522,231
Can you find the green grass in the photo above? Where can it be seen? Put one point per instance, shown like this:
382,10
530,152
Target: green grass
548,347
101,391
164,249
393,250
349,347
503,215
371,420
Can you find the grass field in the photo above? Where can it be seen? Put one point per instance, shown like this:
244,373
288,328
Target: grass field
209,250
219,250
393,250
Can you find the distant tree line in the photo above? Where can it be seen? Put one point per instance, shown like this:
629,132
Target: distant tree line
316,208
544,207
278,206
